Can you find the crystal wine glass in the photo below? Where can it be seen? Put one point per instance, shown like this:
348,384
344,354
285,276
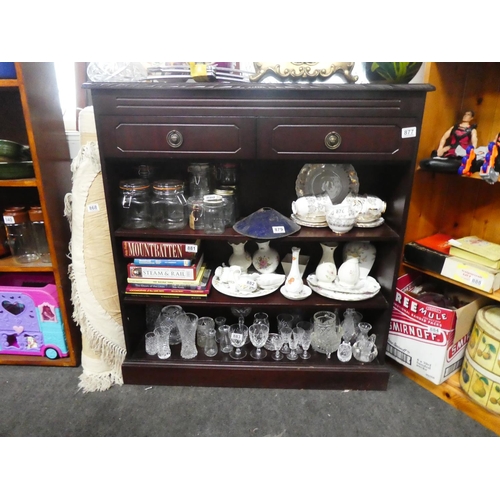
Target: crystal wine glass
258,336
305,340
286,334
294,342
277,341
241,313
238,335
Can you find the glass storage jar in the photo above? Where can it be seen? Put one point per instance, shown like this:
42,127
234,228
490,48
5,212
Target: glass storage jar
169,205
199,179
135,203
20,236
195,213
227,174
228,195
38,226
214,217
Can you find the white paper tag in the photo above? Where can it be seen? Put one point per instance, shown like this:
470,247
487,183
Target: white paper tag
191,248
8,219
237,336
278,229
126,201
408,132
93,207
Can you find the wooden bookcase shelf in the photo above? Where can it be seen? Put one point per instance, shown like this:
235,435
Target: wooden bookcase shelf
270,131
31,114
452,204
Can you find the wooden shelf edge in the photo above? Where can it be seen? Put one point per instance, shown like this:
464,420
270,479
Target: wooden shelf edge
9,265
451,392
493,296
30,182
9,82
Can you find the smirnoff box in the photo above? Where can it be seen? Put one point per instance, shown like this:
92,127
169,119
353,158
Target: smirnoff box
430,340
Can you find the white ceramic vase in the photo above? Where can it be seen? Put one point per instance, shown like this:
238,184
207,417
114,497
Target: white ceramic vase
365,252
348,273
293,282
266,259
326,270
240,257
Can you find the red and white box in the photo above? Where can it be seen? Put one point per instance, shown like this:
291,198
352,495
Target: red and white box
428,339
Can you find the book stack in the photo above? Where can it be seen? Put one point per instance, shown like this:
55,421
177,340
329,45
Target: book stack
171,269
470,260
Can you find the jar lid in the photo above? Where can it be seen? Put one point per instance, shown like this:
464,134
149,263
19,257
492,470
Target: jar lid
198,167
228,165
35,214
224,192
213,200
134,185
168,185
15,215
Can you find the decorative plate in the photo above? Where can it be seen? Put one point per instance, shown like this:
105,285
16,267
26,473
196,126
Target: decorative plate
229,290
337,180
367,289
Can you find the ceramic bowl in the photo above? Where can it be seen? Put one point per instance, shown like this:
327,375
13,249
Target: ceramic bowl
341,218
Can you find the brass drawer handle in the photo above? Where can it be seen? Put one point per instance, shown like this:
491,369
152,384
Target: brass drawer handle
175,139
333,140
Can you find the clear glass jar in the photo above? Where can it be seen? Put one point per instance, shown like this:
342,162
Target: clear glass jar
199,179
169,205
20,236
214,217
195,213
227,174
229,205
135,203
38,226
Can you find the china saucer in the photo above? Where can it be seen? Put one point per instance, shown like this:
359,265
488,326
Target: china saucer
306,292
375,223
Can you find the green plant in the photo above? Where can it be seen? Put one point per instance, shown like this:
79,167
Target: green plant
396,72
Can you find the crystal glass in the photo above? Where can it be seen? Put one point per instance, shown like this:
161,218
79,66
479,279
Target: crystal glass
205,323
277,341
305,341
326,331
151,343
364,349
258,336
344,352
286,334
219,321
162,336
284,320
349,326
225,341
210,348
241,313
261,318
167,316
238,334
294,342
187,323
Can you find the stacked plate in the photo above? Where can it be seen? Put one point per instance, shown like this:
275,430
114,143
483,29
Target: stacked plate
310,220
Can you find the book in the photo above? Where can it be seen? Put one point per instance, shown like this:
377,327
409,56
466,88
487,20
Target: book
477,250
438,242
187,273
163,262
161,249
200,282
170,292
472,274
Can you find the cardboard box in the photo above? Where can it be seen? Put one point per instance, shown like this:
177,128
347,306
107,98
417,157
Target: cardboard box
424,257
430,340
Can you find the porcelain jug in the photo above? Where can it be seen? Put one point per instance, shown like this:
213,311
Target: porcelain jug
240,257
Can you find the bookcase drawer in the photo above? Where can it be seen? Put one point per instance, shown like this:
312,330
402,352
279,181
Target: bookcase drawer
158,137
337,138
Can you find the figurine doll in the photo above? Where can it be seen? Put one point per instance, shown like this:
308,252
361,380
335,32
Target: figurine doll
462,134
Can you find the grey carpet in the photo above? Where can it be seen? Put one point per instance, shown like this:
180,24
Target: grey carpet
46,402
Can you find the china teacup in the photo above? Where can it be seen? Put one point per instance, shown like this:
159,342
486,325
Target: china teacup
341,218
311,206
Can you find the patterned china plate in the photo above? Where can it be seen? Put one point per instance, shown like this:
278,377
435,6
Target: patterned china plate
305,223
337,180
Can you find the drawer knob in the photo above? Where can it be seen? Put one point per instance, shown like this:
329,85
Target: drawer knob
333,140
175,139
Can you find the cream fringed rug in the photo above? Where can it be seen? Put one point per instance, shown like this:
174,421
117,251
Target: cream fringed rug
94,292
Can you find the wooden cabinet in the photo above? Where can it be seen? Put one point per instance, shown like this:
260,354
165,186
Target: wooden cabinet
271,131
450,203
31,114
